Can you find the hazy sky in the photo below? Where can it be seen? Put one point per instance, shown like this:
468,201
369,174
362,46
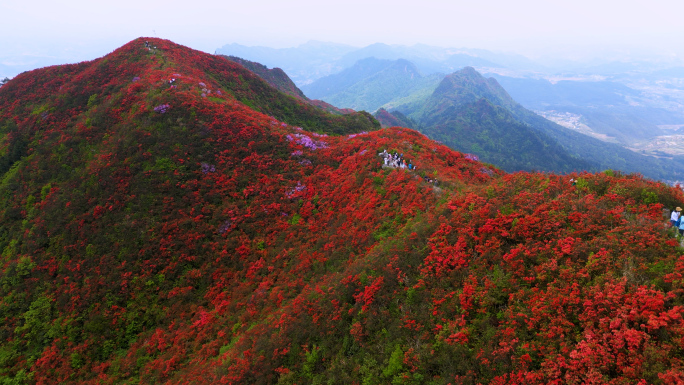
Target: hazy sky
84,29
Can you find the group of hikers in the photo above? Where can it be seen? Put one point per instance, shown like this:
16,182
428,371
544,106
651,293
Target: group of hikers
396,160
432,181
149,46
676,220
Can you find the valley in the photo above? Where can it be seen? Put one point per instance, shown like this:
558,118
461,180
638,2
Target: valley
573,122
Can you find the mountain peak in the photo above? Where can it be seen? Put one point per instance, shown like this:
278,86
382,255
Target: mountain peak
469,71
467,85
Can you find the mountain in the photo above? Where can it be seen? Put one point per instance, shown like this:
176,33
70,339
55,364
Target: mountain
466,86
441,115
473,114
370,83
212,229
276,77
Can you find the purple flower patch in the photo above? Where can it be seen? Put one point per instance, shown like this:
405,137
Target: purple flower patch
472,157
297,153
135,79
305,162
309,143
224,227
207,168
486,171
162,108
202,84
297,189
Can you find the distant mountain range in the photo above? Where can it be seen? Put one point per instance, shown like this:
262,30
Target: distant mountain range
314,60
636,104
472,114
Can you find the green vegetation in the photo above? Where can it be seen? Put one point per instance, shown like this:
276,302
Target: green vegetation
372,83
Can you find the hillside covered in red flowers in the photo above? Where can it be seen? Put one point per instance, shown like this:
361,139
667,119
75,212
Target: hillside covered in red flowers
168,217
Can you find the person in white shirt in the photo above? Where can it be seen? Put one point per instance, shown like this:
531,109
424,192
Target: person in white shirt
674,217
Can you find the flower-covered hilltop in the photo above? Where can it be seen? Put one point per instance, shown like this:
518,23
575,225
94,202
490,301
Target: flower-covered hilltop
168,217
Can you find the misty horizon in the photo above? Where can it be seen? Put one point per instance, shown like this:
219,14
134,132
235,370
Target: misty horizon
563,57
46,33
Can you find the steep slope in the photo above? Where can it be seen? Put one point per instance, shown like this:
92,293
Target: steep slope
393,119
153,235
276,77
496,136
279,80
